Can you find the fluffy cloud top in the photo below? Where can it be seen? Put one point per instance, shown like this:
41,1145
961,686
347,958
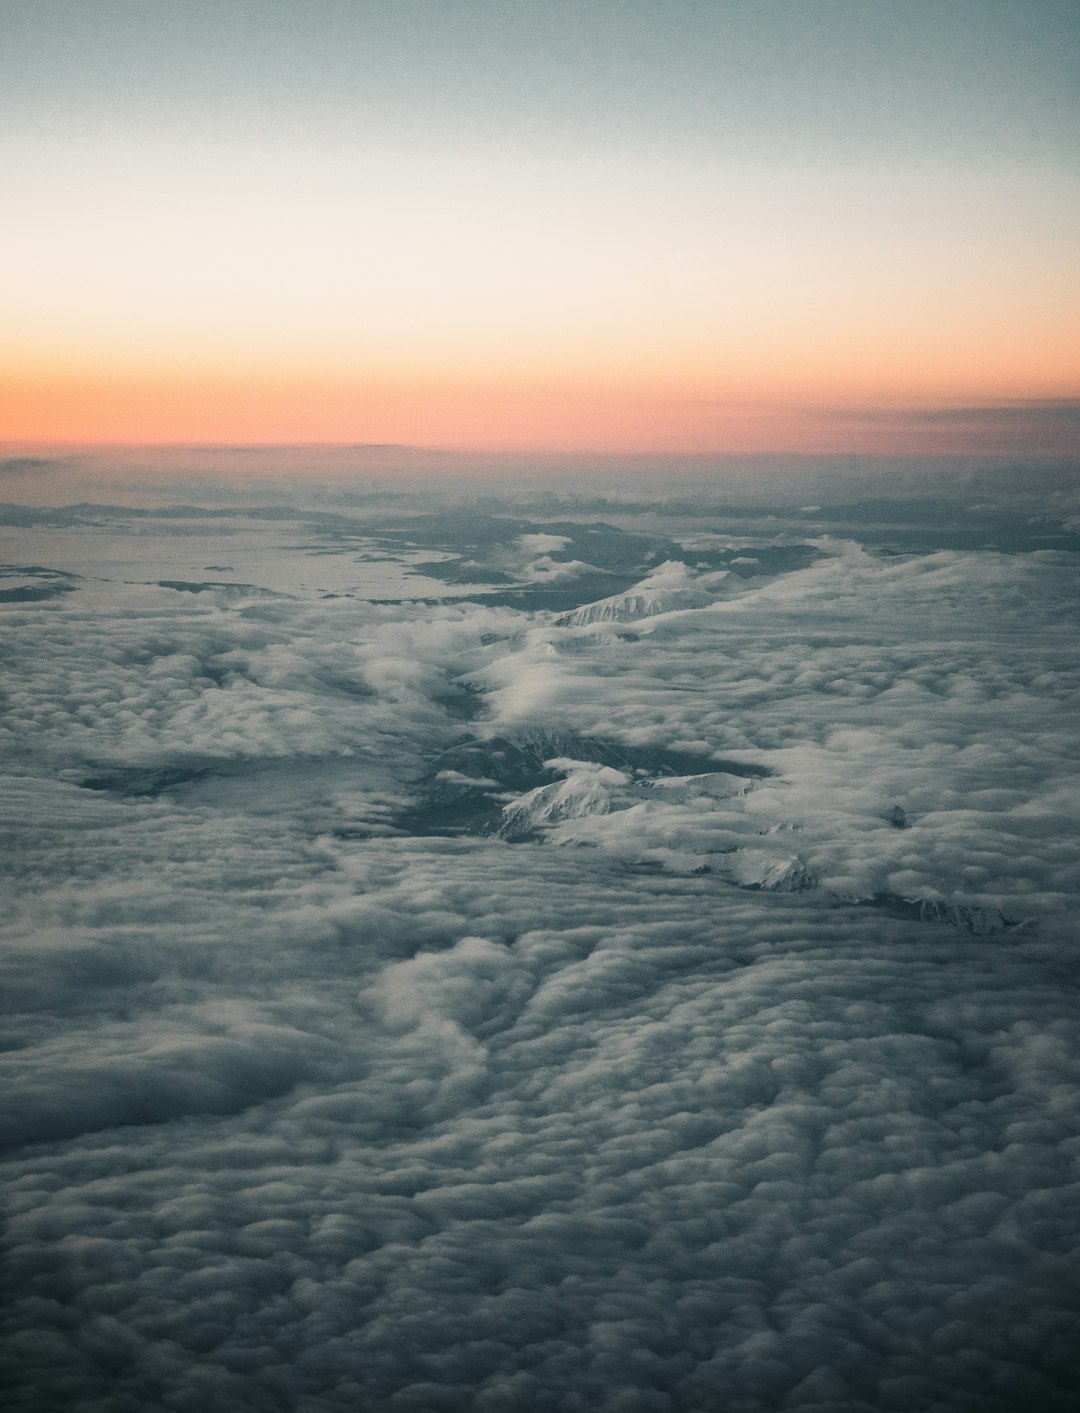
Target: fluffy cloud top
440,1005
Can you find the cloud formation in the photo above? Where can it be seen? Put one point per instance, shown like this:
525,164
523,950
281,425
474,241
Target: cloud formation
437,1005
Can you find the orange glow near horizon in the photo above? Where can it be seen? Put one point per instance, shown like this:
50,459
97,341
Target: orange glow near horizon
502,306
521,420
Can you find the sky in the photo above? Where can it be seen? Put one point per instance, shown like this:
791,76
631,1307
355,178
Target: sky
606,227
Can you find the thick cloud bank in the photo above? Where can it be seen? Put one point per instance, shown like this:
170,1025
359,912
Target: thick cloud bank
502,960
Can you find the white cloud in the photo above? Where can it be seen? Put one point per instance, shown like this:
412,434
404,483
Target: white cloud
542,544
307,1111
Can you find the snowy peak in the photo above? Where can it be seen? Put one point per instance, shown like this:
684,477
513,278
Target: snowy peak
772,873
672,586
587,789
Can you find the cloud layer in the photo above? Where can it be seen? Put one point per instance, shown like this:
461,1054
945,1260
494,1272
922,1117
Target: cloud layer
447,1005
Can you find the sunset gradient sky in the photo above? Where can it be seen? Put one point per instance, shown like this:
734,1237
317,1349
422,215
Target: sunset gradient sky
701,226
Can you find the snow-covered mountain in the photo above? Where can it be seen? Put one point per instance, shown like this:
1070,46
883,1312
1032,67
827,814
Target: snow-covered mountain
771,872
587,790
672,586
